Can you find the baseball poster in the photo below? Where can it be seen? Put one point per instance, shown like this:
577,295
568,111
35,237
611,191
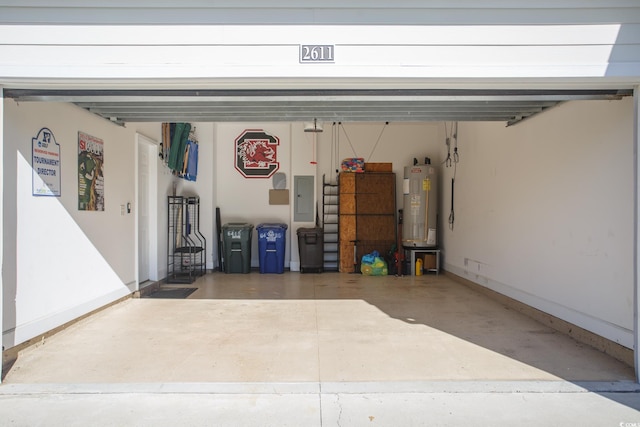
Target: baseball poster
90,173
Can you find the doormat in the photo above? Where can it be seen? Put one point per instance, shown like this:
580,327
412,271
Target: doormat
174,293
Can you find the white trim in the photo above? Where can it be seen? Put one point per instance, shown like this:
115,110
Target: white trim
279,82
26,331
1,219
151,145
136,243
600,327
636,223
132,286
381,35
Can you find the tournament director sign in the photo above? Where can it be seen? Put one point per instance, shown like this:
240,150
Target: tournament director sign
256,154
45,161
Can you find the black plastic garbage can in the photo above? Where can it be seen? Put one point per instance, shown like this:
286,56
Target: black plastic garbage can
236,241
271,247
310,247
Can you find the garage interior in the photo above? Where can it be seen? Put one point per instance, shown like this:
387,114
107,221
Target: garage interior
324,327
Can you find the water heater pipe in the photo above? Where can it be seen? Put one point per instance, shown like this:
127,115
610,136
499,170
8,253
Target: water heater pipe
426,208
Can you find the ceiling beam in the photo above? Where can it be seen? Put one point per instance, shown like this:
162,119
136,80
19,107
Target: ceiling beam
417,105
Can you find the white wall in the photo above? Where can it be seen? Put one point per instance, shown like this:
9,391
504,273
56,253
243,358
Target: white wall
397,143
302,149
246,200
60,263
94,255
544,213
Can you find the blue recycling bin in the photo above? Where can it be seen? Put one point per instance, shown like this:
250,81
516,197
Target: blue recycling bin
271,247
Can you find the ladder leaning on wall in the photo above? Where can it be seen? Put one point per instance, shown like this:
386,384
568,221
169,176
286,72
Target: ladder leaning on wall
330,212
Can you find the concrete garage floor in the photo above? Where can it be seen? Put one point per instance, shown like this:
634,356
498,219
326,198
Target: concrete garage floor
318,349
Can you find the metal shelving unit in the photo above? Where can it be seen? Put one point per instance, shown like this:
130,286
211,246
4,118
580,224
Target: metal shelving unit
187,247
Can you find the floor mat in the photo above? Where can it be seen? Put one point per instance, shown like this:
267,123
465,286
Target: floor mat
175,293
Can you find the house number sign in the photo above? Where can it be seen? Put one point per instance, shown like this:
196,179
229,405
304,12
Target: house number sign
316,52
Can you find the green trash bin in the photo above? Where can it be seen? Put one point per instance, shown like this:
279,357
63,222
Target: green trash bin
236,242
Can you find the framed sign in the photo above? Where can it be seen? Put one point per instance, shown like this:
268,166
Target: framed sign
90,173
45,163
256,154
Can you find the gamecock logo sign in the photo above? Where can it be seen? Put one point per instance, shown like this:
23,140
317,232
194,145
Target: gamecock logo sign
257,154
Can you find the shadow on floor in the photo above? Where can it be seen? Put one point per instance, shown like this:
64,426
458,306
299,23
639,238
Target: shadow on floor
435,301
438,302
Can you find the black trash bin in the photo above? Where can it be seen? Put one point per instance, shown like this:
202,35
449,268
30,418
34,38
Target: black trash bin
236,241
310,247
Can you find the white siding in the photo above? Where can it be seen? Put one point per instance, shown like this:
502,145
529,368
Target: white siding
235,44
252,12
268,56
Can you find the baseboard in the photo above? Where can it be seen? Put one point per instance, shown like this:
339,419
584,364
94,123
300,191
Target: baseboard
613,349
294,266
10,355
146,289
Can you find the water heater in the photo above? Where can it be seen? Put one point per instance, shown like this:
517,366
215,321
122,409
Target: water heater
420,210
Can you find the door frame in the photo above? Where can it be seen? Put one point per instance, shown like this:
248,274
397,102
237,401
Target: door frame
636,237
145,143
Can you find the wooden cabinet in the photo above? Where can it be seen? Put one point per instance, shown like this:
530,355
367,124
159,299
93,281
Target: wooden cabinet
367,216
